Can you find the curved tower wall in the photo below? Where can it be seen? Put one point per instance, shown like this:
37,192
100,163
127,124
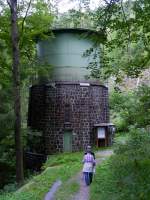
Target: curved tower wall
65,54
67,108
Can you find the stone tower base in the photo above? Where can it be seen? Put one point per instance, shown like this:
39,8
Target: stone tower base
65,113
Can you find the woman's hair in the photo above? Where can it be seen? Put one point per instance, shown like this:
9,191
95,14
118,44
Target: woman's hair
89,148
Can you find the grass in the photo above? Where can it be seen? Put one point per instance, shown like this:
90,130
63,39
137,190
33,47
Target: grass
61,166
125,180
103,183
66,194
126,174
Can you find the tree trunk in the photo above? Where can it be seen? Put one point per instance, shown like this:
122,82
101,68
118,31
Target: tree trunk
17,96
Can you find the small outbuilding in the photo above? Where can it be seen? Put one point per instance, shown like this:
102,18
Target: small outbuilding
104,133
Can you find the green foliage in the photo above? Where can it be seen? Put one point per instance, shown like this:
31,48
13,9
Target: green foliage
143,106
59,159
34,19
29,16
126,174
130,109
31,30
127,48
75,19
122,106
58,167
6,126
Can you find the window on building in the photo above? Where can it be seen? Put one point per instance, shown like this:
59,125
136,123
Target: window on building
67,113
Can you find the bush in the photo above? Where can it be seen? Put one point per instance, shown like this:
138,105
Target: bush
58,167
130,108
126,175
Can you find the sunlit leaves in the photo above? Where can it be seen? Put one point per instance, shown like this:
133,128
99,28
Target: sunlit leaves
127,48
34,18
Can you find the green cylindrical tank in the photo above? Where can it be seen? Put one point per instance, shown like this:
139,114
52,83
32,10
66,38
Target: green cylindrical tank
65,54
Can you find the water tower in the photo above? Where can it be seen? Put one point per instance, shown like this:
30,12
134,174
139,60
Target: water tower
71,111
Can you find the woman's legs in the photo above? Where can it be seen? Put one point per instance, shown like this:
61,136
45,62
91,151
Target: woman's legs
87,178
90,177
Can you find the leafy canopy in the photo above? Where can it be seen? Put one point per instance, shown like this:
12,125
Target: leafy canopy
127,48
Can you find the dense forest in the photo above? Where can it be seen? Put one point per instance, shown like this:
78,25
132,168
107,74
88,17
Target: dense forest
124,52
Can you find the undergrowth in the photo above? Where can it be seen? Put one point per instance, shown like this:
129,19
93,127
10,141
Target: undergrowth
126,175
61,166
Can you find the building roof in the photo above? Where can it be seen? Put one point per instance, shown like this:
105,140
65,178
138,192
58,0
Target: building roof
74,30
103,124
87,33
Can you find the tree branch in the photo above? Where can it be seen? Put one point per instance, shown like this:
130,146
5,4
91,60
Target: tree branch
9,3
22,25
107,12
129,32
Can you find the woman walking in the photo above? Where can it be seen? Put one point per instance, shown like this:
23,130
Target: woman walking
88,165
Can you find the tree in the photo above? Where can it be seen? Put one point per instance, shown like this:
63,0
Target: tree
17,97
127,48
130,109
29,15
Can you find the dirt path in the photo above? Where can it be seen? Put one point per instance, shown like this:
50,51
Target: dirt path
52,191
83,193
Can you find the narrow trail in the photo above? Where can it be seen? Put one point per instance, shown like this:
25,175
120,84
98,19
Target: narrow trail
52,191
83,193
